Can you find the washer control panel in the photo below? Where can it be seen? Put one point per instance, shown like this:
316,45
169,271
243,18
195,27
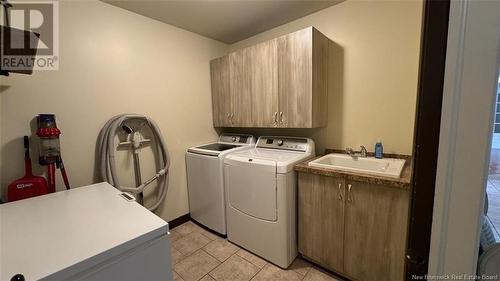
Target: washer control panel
242,139
285,143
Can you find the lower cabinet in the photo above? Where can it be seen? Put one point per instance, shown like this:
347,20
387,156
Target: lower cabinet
321,220
354,228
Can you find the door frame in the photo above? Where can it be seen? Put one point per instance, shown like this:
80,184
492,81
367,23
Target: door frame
426,134
459,68
470,86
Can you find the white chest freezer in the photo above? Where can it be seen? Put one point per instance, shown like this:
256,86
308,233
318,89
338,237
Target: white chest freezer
87,233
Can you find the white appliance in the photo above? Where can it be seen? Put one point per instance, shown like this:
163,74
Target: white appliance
205,166
86,233
261,192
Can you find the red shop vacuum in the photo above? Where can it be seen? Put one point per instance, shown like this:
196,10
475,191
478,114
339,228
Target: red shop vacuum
50,156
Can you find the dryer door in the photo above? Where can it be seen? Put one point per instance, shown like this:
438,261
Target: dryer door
251,186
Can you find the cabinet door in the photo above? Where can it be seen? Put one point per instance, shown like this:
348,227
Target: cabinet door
295,78
221,96
321,219
376,221
240,87
264,83
320,62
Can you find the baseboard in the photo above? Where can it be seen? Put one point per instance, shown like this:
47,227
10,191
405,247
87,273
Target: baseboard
178,221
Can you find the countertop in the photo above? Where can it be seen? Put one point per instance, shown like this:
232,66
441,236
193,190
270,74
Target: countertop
404,182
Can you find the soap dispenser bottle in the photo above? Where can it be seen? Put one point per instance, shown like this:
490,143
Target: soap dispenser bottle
379,149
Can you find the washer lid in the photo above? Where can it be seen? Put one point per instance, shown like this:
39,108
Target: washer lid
61,234
216,148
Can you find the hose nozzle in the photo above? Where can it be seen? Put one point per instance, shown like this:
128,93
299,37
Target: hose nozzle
127,129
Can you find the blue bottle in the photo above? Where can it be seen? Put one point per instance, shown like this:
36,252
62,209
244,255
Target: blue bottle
379,149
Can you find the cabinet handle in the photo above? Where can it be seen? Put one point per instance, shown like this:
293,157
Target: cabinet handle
229,117
275,118
340,192
350,198
281,117
232,118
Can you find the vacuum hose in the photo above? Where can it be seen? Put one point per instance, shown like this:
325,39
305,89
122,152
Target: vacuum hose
106,151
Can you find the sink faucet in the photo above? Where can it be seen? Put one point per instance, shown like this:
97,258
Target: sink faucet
355,154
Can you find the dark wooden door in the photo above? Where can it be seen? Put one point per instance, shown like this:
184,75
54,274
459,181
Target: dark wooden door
426,140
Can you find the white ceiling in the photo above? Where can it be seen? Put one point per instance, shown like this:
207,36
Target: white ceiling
226,21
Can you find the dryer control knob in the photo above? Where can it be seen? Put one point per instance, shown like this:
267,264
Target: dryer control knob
280,142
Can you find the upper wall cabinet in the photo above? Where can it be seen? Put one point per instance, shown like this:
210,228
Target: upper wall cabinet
264,84
277,83
302,79
221,99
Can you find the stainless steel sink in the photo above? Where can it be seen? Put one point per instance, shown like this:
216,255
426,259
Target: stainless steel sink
387,167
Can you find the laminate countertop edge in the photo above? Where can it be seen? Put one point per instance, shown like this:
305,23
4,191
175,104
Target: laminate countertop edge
404,182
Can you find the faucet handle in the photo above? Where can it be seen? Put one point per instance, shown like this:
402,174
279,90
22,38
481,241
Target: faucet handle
363,151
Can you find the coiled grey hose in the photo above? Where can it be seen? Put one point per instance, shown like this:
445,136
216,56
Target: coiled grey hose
106,151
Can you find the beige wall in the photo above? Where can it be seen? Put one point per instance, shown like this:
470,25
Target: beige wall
113,61
373,79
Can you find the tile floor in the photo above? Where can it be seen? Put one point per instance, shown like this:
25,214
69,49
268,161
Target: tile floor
493,190
198,254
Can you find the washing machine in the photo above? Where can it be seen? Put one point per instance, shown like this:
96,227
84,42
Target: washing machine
261,192
205,179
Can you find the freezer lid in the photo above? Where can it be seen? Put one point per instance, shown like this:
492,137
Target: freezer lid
64,233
